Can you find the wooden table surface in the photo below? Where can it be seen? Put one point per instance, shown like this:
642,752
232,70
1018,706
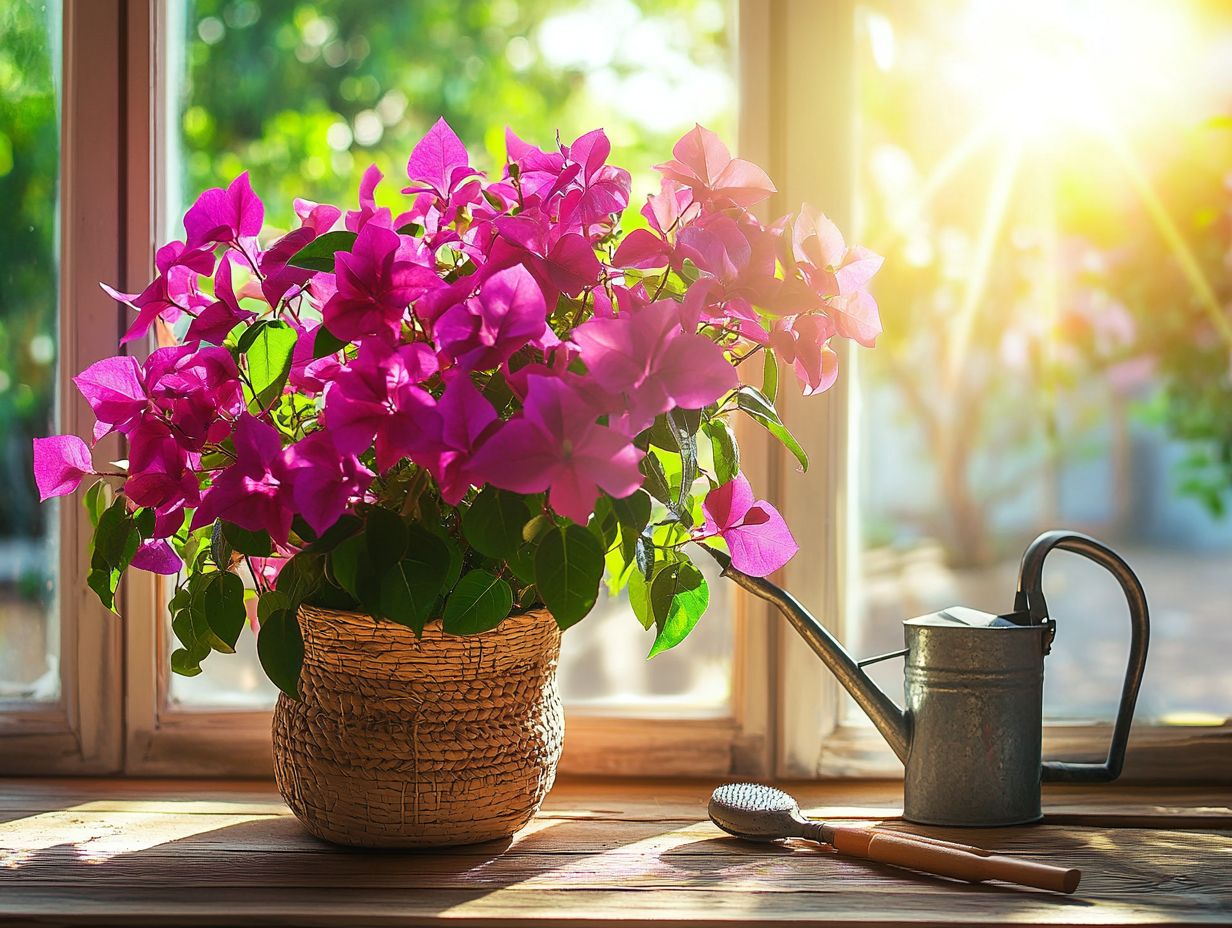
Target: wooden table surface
134,852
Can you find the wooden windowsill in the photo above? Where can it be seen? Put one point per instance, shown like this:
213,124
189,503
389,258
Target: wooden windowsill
146,852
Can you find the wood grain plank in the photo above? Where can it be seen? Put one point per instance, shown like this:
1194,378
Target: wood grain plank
584,908
601,853
1112,875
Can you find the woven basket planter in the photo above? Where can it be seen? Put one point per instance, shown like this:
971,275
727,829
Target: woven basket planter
399,741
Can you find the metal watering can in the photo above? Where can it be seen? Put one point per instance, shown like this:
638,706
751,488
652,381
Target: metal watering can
970,733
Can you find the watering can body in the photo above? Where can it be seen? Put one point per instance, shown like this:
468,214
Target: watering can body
974,696
970,731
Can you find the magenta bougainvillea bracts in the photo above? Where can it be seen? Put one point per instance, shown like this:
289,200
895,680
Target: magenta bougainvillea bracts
474,402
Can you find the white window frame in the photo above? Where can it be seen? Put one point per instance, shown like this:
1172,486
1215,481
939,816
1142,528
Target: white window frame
797,118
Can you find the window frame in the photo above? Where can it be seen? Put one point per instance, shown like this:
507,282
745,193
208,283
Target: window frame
79,733
162,739
794,57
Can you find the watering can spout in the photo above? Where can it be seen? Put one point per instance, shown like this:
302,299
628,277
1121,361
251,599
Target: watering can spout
890,720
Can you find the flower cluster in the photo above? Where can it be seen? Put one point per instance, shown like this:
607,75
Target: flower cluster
474,406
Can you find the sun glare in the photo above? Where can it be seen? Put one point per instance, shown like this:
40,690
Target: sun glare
1085,83
1050,70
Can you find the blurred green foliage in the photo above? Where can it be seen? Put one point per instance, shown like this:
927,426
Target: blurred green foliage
306,95
29,168
1192,355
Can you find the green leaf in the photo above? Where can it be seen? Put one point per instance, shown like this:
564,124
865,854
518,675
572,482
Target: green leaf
568,568
254,544
116,538
679,596
663,431
270,602
386,536
318,255
656,479
344,528
350,567
114,543
96,501
105,581
197,621
220,548
249,335
522,561
184,625
280,646
497,391
478,603
185,662
411,588
686,441
494,522
536,528
300,527
179,600
723,450
644,553
770,376
755,403
269,361
632,515
222,602
454,571
616,569
145,520
300,578
326,343
603,523
639,599
190,625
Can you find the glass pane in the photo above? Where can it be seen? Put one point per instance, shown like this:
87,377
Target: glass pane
29,178
305,96
1055,225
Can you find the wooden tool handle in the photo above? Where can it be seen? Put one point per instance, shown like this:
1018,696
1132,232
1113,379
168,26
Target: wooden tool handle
958,861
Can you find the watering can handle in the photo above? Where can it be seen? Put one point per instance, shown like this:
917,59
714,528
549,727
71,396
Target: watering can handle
1030,600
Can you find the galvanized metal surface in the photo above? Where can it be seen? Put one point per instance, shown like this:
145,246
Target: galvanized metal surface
970,734
975,697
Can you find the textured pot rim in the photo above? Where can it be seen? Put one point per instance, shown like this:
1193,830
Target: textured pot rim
532,616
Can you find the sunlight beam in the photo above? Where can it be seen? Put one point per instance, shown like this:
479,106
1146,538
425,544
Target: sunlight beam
995,210
1168,229
955,159
94,835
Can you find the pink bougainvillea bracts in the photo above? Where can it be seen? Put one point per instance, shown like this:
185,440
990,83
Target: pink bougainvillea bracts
513,374
757,537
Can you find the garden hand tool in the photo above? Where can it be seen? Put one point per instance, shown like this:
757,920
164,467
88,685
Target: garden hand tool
763,813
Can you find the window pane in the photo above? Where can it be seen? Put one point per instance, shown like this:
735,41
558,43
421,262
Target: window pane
1055,225
305,96
29,175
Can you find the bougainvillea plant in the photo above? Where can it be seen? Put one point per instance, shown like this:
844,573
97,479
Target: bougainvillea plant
474,407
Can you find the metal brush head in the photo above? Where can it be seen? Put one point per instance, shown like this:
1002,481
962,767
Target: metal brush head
756,813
